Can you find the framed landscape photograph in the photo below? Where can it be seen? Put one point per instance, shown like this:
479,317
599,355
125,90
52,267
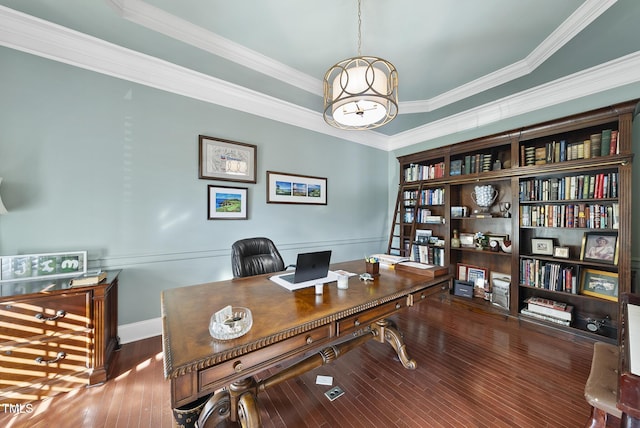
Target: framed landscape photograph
283,188
599,283
227,203
601,247
226,160
542,246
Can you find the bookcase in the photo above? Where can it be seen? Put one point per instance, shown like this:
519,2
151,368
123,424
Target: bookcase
540,213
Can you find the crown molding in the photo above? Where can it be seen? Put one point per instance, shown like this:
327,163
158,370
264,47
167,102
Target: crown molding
610,75
153,18
574,24
33,35
156,19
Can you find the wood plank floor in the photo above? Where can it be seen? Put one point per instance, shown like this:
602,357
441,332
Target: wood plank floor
473,370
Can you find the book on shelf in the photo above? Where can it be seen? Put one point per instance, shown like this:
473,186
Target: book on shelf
587,149
595,144
550,308
549,303
89,278
545,317
431,219
613,148
605,142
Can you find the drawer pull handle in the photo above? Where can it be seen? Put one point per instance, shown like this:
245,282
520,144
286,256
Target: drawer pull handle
422,296
398,305
238,367
356,323
309,340
43,318
59,357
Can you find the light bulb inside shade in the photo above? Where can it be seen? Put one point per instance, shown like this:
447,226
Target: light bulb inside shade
355,94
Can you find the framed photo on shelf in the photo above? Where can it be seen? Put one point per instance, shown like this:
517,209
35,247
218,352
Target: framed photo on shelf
423,235
561,252
470,273
542,246
283,188
226,160
475,273
227,203
601,247
467,240
599,283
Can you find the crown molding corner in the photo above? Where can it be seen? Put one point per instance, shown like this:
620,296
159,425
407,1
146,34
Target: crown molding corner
613,74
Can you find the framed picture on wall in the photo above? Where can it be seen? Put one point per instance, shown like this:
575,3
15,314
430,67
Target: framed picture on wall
226,160
283,188
227,203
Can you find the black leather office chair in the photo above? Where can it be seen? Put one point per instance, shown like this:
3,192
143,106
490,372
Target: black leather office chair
255,256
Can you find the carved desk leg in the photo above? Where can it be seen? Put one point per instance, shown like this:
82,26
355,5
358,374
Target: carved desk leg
244,408
215,411
388,333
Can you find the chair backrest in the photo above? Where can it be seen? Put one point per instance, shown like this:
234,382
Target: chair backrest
255,256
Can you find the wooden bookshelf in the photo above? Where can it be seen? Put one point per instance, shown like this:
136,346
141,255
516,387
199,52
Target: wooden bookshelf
564,188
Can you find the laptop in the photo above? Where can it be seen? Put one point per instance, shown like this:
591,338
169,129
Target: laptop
309,266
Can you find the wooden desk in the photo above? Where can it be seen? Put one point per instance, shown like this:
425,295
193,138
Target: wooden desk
287,326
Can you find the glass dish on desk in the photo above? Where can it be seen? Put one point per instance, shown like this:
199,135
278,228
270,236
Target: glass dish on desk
235,326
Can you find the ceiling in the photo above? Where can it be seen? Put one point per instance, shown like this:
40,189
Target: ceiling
461,64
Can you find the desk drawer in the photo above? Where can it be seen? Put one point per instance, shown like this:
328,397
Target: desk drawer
32,371
44,316
421,295
365,318
245,365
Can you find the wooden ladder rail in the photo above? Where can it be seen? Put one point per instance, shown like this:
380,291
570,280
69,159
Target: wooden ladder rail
396,225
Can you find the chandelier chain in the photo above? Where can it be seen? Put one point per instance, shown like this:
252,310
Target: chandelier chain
359,29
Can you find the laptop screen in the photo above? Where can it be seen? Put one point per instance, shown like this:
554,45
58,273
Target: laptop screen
310,266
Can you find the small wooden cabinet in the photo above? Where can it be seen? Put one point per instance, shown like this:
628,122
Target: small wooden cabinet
559,186
54,338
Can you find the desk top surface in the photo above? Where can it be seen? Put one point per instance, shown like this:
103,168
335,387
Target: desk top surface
277,313
45,286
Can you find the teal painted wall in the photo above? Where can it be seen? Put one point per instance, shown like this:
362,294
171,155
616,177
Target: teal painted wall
95,163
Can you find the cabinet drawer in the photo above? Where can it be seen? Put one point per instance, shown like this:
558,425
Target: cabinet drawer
44,316
26,369
364,318
247,364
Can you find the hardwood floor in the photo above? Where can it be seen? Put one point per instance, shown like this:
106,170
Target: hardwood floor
473,370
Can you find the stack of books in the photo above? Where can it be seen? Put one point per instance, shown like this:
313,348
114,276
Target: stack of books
548,310
89,278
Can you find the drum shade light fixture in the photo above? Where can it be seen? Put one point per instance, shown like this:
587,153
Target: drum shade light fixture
360,92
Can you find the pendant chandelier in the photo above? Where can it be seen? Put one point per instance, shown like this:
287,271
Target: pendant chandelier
360,92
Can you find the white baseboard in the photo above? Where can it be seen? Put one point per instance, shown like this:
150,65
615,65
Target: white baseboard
140,330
